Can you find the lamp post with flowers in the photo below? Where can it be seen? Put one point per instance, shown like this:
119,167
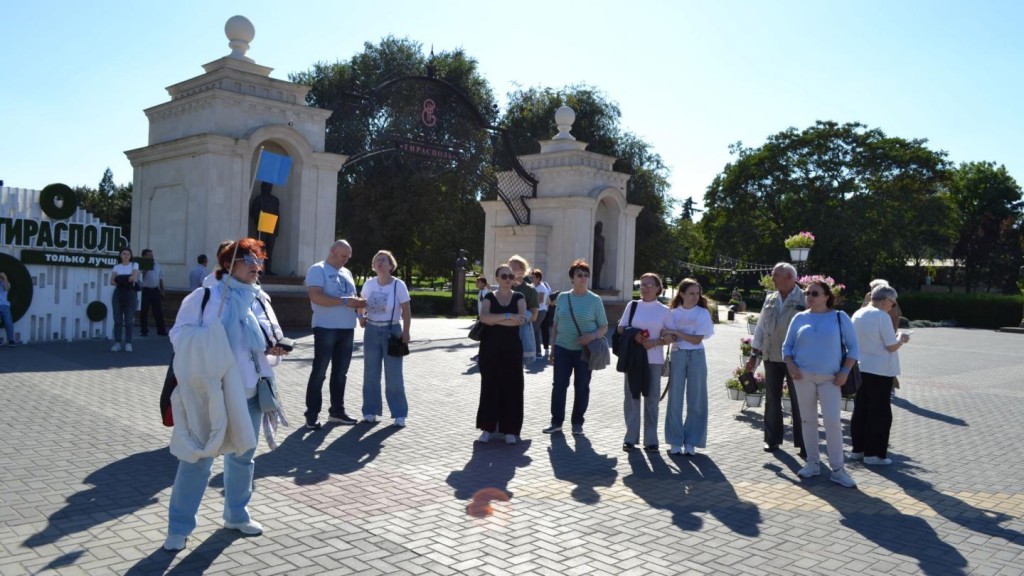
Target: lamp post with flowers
799,246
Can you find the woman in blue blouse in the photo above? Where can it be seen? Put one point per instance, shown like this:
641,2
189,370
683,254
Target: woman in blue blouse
813,352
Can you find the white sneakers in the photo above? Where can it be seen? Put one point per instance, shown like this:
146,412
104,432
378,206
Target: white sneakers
117,348
876,461
511,439
369,418
250,528
175,542
675,450
400,422
856,455
842,477
127,347
809,469
485,437
690,450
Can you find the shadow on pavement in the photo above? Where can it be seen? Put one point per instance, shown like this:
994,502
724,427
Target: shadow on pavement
493,465
301,457
583,467
883,524
119,489
696,488
926,413
949,507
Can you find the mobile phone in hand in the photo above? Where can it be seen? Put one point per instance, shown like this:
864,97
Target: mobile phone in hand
286,344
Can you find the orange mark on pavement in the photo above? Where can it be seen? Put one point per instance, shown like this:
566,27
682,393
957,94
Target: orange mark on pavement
480,506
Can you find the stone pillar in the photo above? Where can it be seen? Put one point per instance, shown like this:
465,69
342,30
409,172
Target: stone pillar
575,190
194,181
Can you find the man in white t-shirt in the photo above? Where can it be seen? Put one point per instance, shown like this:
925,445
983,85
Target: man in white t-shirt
196,275
334,299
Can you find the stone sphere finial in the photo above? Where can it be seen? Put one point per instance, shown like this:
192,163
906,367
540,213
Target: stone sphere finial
240,32
564,118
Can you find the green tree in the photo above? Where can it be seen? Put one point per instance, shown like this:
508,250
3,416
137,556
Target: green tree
423,211
109,202
988,210
530,118
873,201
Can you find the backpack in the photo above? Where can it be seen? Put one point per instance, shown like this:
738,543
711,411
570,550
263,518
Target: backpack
170,381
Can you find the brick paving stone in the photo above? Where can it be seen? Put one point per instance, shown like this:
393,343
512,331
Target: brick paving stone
378,500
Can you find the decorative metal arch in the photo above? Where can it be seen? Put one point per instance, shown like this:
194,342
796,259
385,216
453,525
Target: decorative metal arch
512,186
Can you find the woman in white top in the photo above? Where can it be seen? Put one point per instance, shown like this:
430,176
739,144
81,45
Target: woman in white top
689,324
125,301
387,314
543,292
650,316
879,366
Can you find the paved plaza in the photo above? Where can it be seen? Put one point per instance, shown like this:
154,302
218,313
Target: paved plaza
86,476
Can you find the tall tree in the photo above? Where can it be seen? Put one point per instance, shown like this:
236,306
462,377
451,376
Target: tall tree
423,211
872,201
530,118
110,202
989,219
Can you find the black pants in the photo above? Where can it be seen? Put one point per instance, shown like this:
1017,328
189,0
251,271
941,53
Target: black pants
774,431
872,415
545,326
152,298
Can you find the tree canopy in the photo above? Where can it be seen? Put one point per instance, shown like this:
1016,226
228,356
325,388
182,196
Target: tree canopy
109,202
873,201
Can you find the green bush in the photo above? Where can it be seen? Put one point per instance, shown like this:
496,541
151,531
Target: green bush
439,304
968,310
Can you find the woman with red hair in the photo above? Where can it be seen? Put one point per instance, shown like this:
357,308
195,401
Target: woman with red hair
237,308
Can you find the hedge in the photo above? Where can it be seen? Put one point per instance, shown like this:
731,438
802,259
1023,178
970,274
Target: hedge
968,310
439,304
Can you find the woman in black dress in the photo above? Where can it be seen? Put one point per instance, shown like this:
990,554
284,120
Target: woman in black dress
501,356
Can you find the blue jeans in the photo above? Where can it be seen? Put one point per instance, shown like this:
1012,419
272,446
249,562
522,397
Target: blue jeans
375,352
688,378
124,317
568,362
192,478
529,342
5,314
331,346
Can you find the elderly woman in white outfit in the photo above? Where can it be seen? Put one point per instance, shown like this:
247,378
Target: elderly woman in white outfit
238,305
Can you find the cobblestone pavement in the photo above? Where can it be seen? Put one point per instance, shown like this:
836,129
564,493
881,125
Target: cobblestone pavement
86,476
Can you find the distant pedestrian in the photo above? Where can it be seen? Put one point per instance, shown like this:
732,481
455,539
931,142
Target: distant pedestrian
152,295
196,275
543,292
123,278
5,308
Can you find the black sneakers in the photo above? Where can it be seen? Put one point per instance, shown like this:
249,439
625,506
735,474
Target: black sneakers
342,419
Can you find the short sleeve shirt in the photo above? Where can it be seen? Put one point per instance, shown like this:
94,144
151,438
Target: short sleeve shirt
381,305
335,283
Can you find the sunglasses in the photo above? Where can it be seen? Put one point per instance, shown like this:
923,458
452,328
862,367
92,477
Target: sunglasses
252,260
648,285
815,293
582,275
507,276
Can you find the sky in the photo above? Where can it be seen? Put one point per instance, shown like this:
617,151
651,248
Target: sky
690,78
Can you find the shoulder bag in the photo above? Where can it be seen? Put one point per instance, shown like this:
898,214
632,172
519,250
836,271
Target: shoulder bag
616,337
853,379
395,345
597,354
170,381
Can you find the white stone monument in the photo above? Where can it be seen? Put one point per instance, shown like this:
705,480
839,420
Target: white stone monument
576,190
194,182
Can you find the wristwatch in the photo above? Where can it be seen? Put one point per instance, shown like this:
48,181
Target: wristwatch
507,315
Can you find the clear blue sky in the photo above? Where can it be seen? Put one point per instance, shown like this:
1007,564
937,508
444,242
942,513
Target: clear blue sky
690,77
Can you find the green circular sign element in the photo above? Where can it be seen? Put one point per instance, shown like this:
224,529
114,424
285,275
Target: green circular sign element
58,201
96,311
20,294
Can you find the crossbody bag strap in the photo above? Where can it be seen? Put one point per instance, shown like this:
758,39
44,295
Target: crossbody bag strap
573,314
632,312
842,349
394,303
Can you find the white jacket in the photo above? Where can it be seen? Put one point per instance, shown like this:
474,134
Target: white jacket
211,415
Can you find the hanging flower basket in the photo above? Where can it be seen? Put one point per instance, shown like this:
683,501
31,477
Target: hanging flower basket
847,404
753,400
735,394
802,240
799,254
787,404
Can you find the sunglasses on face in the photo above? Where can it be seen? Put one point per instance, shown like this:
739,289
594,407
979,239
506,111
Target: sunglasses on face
252,260
582,275
648,285
815,293
506,276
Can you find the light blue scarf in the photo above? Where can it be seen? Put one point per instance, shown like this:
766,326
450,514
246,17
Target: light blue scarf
239,320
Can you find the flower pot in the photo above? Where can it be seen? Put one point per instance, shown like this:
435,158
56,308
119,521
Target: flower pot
848,404
743,359
734,394
799,254
754,400
787,404
750,328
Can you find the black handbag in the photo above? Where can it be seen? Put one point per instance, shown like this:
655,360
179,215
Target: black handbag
853,379
476,333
